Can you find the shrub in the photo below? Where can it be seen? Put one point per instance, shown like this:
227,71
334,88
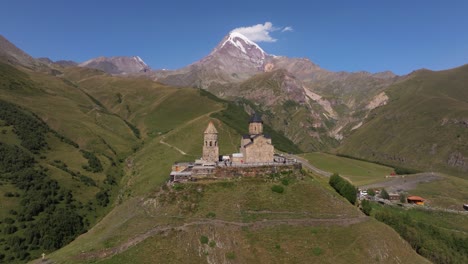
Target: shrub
204,239
403,197
230,255
317,251
343,187
9,220
94,164
277,188
178,186
285,182
210,215
212,243
366,207
10,229
102,198
384,194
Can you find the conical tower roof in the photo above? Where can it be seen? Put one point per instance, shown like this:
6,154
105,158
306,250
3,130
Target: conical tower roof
256,118
211,129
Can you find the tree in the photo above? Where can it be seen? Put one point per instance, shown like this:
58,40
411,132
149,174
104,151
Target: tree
349,192
371,192
366,207
403,197
334,180
384,194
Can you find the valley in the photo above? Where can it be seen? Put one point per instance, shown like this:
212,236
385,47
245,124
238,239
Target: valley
87,150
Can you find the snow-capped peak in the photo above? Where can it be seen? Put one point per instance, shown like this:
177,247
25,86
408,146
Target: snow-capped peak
235,39
137,58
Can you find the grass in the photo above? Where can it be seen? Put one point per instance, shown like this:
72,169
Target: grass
189,137
449,192
421,127
235,116
358,172
281,244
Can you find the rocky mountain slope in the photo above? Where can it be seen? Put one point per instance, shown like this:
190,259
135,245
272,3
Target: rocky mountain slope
330,104
137,128
14,55
424,125
117,65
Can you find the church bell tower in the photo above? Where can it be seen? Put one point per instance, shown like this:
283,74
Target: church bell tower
210,144
255,125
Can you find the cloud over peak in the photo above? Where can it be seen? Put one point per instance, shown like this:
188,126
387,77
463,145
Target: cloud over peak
261,32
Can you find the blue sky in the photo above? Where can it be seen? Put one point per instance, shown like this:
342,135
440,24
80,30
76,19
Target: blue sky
374,35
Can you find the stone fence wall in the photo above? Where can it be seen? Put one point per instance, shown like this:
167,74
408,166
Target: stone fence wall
254,171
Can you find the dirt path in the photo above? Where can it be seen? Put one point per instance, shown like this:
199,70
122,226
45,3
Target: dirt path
405,182
182,126
309,166
105,253
171,146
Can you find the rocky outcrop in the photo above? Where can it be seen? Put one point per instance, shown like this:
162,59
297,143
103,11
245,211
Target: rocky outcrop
457,160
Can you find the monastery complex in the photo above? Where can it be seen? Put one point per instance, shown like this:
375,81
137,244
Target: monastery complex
256,155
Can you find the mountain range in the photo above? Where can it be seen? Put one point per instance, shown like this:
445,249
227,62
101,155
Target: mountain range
87,148
318,109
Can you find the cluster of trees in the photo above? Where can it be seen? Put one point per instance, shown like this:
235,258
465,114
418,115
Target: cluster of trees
13,158
436,244
29,128
343,187
47,217
94,164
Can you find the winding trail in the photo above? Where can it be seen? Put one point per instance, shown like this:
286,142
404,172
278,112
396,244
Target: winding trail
174,147
108,252
309,166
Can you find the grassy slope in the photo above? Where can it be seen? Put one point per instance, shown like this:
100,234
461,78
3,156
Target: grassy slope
421,125
281,244
243,203
449,192
358,172
98,124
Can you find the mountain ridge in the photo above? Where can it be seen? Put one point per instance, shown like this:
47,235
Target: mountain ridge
117,64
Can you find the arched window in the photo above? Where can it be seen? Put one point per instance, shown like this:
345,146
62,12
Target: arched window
206,143
210,143
216,143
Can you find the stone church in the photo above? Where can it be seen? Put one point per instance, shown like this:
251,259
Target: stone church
255,147
255,157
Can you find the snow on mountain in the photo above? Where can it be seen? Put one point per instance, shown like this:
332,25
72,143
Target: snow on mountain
240,41
117,65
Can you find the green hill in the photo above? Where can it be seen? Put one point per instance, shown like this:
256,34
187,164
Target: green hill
75,131
423,126
239,222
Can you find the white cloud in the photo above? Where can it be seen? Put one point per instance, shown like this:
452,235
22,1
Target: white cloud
260,32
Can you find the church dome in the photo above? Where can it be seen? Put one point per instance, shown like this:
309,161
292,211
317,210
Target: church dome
256,118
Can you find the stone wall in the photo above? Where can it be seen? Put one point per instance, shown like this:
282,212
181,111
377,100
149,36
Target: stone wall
233,172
